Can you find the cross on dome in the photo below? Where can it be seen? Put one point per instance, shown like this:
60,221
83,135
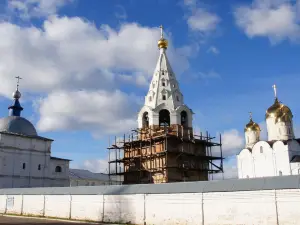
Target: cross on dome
18,78
275,90
250,114
161,31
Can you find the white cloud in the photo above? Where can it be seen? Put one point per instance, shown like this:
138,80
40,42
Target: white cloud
213,50
97,111
209,75
203,21
70,54
275,19
232,142
199,18
27,9
230,170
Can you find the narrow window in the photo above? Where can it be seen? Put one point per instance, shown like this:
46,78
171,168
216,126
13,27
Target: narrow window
58,169
24,166
163,73
150,98
177,98
39,167
164,97
174,86
163,83
261,149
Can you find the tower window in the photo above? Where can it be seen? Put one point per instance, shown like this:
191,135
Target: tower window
162,72
184,118
58,169
163,83
39,167
177,98
150,98
173,85
145,119
24,166
164,118
164,97
261,149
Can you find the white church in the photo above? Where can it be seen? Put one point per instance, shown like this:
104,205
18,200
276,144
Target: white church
279,155
25,157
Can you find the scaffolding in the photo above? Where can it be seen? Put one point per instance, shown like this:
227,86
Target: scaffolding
146,152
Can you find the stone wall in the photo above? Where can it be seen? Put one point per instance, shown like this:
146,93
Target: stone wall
254,201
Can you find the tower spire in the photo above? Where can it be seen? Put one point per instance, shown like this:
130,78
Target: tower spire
250,115
16,108
162,43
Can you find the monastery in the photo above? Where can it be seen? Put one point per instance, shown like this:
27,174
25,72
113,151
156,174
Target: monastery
280,154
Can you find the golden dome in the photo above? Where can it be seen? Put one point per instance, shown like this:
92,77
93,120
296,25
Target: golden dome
162,43
252,126
279,111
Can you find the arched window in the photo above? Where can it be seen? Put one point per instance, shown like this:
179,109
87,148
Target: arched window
184,118
58,169
163,82
145,120
164,118
39,167
177,98
24,166
261,149
164,97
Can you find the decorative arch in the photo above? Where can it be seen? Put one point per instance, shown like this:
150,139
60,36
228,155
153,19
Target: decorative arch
145,120
184,118
164,118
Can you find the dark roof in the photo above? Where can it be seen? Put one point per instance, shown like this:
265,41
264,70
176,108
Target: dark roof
86,174
56,158
255,184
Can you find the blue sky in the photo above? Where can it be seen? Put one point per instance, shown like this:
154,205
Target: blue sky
85,65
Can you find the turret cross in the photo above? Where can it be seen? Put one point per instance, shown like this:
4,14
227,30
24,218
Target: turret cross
18,78
161,31
250,114
275,90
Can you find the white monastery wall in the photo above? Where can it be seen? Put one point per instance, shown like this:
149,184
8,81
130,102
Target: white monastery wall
221,207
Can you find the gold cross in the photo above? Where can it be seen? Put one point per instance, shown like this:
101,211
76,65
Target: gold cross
250,113
275,90
161,31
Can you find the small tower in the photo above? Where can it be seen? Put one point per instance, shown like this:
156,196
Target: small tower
164,103
252,133
16,108
279,121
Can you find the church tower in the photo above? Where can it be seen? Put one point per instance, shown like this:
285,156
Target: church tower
252,133
279,121
164,103
164,147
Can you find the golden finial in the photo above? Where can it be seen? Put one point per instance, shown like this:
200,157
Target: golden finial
275,90
162,43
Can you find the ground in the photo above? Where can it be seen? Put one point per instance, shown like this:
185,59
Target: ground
37,221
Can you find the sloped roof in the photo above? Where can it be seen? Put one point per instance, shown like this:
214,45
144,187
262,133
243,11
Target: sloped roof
86,174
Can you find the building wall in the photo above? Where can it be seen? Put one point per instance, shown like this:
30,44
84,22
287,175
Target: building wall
241,207
25,162
265,160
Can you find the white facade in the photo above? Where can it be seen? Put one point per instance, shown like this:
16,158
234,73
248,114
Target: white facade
25,157
164,103
279,155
